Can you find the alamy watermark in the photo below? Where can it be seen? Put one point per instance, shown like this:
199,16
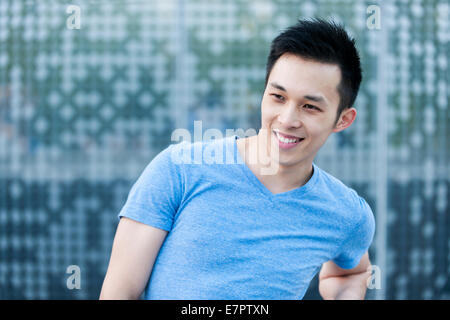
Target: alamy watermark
373,21
264,153
74,280
374,281
73,21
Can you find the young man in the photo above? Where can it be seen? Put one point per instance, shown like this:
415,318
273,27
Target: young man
228,231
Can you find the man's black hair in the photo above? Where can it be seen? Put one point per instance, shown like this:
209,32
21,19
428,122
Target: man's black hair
322,41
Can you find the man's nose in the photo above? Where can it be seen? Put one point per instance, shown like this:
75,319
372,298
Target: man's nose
289,116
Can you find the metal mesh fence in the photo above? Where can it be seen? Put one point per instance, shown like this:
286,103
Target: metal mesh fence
84,108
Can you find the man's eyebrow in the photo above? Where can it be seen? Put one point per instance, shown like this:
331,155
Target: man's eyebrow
319,99
277,86
315,98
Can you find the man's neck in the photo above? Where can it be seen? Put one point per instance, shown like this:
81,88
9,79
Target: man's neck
286,177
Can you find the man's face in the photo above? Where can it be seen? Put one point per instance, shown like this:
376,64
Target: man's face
301,99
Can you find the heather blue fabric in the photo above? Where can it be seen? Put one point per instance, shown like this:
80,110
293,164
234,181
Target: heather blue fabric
231,238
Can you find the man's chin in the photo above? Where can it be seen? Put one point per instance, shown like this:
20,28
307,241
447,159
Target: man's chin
289,161
283,161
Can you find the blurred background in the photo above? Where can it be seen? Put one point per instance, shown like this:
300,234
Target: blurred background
90,94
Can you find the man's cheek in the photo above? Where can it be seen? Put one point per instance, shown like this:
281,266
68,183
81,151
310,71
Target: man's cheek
268,114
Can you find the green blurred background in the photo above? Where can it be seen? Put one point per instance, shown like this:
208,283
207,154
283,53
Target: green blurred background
82,111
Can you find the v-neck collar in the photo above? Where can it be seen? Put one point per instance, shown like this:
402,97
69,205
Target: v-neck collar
262,188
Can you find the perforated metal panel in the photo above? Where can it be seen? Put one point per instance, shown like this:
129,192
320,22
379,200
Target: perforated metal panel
82,111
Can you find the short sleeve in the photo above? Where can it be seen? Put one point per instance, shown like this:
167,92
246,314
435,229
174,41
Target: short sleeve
156,195
359,239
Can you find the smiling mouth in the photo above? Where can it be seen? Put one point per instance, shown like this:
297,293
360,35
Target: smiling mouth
286,143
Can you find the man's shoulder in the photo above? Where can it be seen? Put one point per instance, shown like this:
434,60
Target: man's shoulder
352,209
339,191
334,184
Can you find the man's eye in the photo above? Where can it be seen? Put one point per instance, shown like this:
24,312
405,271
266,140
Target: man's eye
309,106
278,97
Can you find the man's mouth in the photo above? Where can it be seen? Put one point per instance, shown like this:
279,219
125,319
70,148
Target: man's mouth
287,142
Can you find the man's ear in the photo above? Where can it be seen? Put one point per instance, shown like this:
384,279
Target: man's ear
346,118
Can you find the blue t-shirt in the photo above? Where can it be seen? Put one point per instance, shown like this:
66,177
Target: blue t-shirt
230,238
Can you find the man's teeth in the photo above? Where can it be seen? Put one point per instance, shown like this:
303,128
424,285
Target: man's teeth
285,140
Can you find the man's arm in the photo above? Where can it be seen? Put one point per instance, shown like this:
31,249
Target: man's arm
336,283
135,248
